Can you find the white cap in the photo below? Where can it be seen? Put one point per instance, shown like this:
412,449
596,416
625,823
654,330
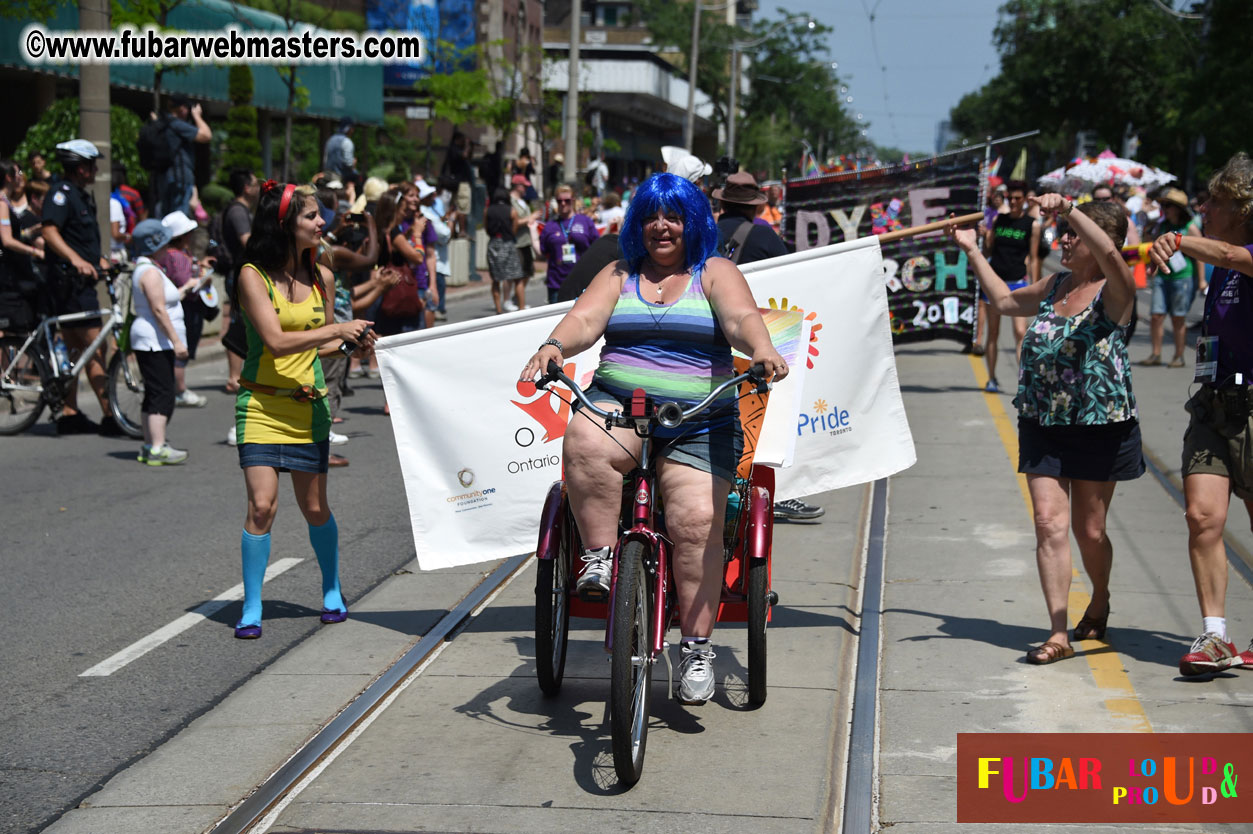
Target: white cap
425,189
178,223
689,167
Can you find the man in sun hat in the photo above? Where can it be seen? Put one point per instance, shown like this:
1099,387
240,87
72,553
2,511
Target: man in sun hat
744,241
741,198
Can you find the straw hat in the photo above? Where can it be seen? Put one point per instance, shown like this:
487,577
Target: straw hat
1174,196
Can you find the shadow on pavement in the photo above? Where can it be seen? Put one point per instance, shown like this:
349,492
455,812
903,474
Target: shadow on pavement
1154,647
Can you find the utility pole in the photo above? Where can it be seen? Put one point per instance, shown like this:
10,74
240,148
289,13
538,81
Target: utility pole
571,166
93,114
693,58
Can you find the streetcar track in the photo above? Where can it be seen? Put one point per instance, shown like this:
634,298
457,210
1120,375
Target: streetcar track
273,794
851,804
860,811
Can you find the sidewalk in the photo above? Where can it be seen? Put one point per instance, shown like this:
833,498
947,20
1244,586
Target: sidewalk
471,745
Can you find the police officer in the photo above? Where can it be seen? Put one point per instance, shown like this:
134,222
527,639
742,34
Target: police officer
75,264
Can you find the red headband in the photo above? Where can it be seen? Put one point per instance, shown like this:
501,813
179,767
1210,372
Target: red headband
285,201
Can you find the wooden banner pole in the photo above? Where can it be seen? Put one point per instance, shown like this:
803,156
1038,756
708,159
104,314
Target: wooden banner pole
963,220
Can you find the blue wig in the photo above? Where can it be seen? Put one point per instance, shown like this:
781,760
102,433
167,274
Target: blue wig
671,193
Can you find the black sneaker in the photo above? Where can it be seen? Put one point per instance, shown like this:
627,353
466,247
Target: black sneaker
110,428
796,509
78,423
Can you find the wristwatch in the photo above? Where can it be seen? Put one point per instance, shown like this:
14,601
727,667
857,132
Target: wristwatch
555,343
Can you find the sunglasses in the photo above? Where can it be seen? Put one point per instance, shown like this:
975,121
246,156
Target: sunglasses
1064,230
567,200
1108,199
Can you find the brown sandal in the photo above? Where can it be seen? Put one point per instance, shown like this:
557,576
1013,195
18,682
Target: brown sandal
1048,653
1091,628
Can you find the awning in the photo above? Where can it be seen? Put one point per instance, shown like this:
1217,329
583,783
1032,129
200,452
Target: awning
335,90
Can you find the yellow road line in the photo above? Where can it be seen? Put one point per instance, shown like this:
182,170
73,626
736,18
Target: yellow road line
1107,669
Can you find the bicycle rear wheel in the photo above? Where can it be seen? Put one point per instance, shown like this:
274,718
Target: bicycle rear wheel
758,613
21,393
552,613
126,393
631,668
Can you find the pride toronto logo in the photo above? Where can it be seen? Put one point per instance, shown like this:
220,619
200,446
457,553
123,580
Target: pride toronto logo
1102,777
822,418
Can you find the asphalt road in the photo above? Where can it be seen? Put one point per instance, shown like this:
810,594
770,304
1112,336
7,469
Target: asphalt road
99,552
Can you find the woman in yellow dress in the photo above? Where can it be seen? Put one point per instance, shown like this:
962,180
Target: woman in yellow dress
282,420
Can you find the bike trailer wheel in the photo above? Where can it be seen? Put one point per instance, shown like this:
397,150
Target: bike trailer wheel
552,615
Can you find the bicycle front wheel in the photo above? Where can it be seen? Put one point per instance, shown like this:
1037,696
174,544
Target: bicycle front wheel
631,668
21,392
126,393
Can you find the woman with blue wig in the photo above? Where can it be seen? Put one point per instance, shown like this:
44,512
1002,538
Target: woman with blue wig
670,312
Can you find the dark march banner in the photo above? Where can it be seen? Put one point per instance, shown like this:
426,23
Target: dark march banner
931,292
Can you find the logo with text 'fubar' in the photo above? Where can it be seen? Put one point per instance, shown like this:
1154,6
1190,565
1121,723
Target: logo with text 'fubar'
1103,777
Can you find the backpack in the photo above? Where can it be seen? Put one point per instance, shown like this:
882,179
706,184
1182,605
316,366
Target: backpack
734,246
153,145
590,177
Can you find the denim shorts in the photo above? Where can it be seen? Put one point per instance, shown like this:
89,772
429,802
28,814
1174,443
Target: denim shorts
715,450
1013,285
1172,295
287,457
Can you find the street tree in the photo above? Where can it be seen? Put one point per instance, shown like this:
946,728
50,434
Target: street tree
1102,65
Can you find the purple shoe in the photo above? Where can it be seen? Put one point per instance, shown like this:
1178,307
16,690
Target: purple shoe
247,632
330,617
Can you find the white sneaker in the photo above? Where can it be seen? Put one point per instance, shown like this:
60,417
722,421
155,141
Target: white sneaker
696,674
230,437
508,306
338,439
190,399
165,455
593,585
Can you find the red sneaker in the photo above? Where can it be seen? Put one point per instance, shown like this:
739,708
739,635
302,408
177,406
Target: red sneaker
1210,653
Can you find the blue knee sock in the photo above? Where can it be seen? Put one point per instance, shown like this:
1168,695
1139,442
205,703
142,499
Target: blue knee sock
325,541
255,553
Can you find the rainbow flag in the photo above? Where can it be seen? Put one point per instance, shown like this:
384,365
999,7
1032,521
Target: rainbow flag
809,165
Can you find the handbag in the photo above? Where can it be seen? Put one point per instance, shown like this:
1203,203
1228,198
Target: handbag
402,301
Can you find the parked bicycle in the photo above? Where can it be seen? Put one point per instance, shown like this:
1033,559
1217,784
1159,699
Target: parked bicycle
642,604
33,377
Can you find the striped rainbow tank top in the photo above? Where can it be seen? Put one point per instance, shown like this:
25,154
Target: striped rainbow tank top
674,352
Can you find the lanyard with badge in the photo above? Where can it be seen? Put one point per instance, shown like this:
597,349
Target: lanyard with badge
567,248
1207,345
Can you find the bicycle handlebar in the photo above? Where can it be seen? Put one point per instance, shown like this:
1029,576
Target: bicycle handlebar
668,414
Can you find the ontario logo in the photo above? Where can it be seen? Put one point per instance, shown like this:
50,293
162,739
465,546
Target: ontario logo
822,418
550,409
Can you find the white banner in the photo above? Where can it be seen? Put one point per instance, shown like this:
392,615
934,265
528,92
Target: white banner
478,451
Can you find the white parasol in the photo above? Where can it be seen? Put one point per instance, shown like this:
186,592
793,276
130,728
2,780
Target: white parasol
1081,174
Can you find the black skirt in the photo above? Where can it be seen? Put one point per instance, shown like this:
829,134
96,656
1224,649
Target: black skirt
1085,453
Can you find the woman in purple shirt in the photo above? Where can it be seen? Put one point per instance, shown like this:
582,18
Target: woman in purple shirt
564,240
1216,457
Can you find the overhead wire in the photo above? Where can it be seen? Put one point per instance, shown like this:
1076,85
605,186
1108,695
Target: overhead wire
883,70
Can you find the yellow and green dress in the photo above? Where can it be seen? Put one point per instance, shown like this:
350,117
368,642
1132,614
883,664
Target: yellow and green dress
277,418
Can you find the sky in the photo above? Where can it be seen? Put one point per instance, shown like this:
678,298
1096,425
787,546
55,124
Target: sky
934,51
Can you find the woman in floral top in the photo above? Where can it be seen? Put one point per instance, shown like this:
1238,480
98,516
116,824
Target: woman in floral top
1077,428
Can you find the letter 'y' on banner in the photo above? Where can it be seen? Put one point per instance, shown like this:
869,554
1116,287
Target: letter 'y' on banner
478,450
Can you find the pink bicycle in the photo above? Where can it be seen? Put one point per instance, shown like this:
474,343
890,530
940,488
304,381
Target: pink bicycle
641,605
